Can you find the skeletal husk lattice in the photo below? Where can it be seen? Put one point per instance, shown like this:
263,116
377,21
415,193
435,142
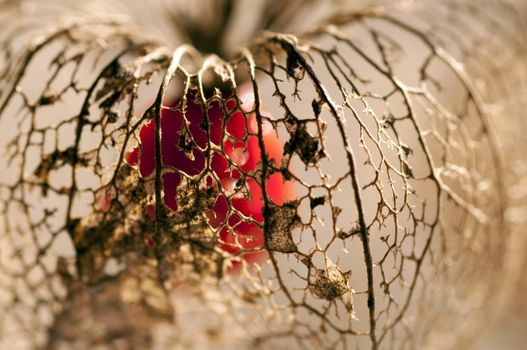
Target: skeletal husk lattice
328,175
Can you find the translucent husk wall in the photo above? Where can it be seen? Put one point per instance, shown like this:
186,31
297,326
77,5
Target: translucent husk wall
316,174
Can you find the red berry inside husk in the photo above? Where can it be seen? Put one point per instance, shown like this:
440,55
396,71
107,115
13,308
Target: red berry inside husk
241,147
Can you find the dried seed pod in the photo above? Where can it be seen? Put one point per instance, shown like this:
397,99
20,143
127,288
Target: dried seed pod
161,180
